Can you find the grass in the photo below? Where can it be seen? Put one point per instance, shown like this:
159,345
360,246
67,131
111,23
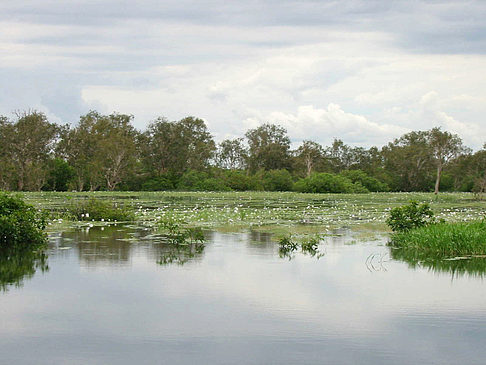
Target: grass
444,239
276,212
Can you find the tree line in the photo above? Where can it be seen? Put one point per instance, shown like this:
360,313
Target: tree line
106,152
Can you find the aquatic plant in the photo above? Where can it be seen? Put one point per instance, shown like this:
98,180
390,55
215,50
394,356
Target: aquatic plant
444,239
21,225
100,210
410,216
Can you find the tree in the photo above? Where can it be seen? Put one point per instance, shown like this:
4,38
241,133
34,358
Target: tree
308,155
231,154
408,161
28,144
101,149
176,147
6,165
444,147
269,148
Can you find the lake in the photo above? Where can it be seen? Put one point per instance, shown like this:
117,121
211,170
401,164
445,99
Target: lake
116,295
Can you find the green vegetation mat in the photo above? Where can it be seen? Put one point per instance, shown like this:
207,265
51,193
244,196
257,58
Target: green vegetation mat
277,212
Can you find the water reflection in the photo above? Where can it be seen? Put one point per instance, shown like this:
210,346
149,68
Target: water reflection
19,265
459,266
237,302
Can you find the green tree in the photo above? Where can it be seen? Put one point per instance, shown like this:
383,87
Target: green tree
269,148
308,156
444,147
176,147
231,154
6,162
101,149
408,160
29,143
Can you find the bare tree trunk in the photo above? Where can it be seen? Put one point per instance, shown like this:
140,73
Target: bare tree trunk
437,180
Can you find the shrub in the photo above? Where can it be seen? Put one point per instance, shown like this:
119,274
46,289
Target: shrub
277,180
201,181
328,183
160,183
98,210
369,182
240,181
410,216
21,225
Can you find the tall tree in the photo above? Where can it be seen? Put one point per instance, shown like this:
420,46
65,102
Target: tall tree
176,146
30,140
309,155
409,162
444,147
231,154
101,149
269,148
6,164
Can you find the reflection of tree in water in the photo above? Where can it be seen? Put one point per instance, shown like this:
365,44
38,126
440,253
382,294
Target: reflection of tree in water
179,254
474,266
19,265
179,245
99,246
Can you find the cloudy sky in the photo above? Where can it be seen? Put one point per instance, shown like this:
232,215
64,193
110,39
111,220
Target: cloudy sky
365,71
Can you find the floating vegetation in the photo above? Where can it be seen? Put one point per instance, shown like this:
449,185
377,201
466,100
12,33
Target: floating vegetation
277,212
99,210
180,243
308,246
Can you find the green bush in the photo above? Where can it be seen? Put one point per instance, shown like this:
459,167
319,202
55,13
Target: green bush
328,183
277,180
21,225
160,183
99,210
201,181
410,216
238,180
369,182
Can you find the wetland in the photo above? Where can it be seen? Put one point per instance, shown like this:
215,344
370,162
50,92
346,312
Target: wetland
202,278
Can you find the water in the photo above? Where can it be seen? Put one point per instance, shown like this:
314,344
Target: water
106,299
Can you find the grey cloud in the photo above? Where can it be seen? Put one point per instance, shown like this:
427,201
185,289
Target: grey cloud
422,26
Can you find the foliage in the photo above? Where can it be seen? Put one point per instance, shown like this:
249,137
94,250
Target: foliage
100,210
308,245
269,148
276,180
328,183
21,225
106,152
27,143
194,180
159,183
181,242
444,239
59,175
369,182
410,216
231,154
241,181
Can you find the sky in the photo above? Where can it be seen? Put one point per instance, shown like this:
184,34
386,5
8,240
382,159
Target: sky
364,71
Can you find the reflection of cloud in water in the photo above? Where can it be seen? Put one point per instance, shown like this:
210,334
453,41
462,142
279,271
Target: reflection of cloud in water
237,300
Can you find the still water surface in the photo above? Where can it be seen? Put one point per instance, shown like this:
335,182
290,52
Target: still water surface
108,299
